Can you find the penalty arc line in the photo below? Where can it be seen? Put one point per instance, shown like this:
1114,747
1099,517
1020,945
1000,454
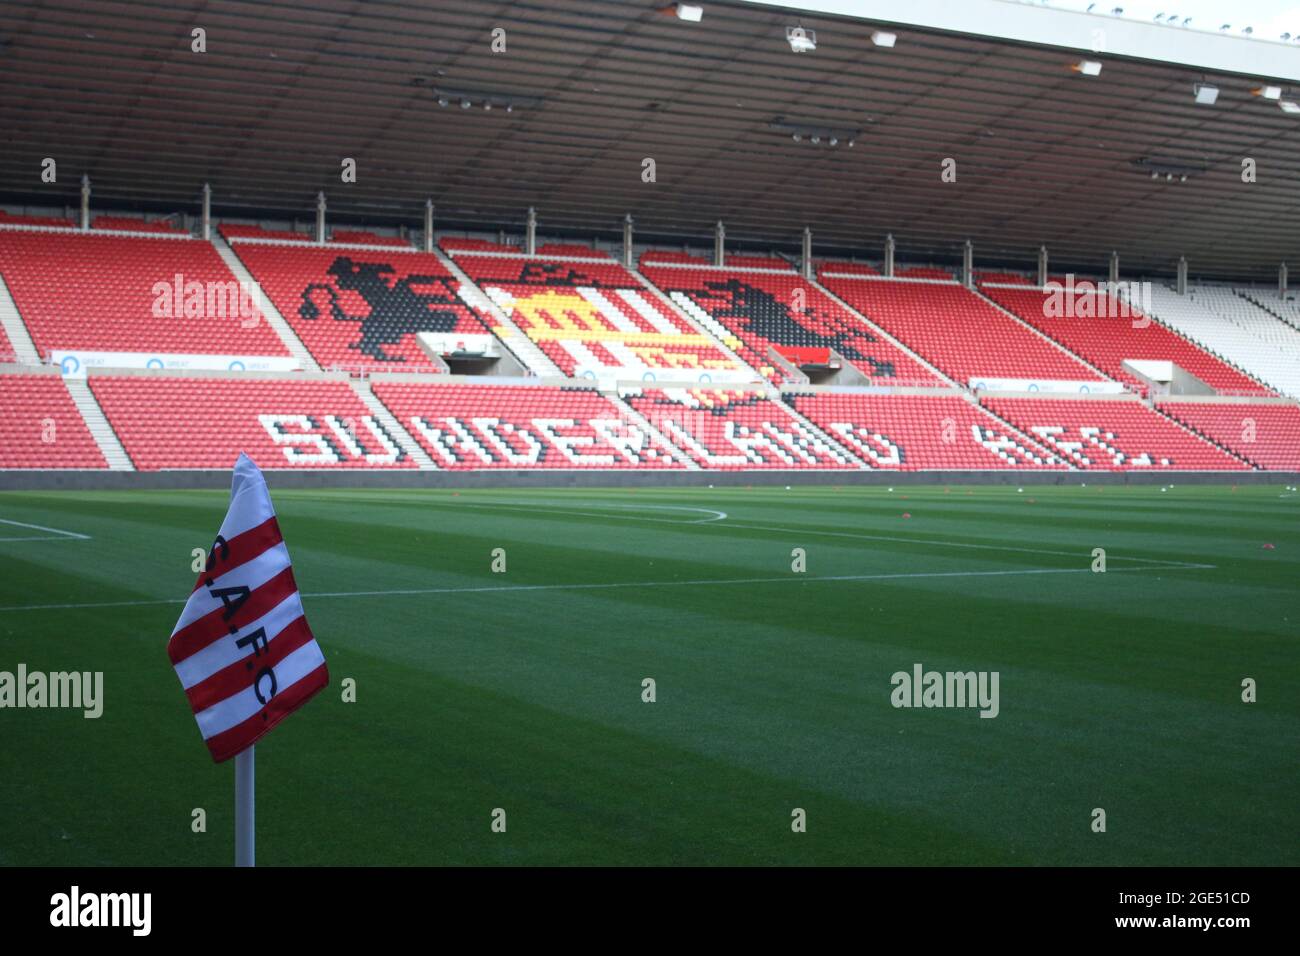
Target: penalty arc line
712,582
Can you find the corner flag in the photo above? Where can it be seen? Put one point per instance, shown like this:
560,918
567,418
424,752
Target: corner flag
242,648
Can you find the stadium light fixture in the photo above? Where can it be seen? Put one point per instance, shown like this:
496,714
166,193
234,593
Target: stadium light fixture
801,40
1268,92
1205,94
816,135
1087,67
884,38
1289,106
690,12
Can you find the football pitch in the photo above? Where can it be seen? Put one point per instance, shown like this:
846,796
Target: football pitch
523,688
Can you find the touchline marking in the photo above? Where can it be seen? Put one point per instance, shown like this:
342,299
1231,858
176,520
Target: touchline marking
529,506
533,507
38,527
962,544
708,582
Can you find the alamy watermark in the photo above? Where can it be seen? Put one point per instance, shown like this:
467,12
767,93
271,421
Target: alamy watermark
1098,300
58,689
206,299
922,688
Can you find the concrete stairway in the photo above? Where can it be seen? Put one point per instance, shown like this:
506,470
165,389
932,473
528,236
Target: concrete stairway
264,305
392,425
24,349
100,430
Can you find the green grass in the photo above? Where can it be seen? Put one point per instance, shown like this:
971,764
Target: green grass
1118,690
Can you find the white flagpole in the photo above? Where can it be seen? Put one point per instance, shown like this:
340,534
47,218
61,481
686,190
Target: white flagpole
244,791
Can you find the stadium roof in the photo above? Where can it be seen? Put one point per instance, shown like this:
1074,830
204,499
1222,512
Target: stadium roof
1044,153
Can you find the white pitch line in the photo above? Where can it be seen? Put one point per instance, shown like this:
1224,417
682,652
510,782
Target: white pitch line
963,544
713,582
38,527
534,507
550,509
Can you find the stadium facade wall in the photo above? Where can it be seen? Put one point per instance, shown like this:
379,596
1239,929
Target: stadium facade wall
554,478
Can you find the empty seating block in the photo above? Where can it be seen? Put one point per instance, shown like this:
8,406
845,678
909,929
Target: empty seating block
1237,329
10,219
921,432
832,267
239,231
753,312
1116,435
733,430
1267,435
1106,332
166,422
88,292
958,331
134,224
365,238
40,426
591,317
471,427
355,307
1004,278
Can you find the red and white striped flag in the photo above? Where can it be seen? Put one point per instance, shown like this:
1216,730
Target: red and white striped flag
242,647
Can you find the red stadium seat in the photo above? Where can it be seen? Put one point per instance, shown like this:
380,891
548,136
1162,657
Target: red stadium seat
473,427
922,432
40,426
167,422
736,430
1113,435
95,292
1106,335
753,312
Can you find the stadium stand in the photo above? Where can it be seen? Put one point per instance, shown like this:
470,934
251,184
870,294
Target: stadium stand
589,316
736,430
360,308
956,330
136,224
1267,435
1285,308
1237,330
13,219
358,302
753,312
40,426
89,291
364,238
1107,332
170,422
468,427
1112,435
921,432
